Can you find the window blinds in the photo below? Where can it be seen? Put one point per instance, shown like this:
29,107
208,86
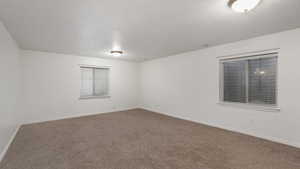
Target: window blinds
86,82
234,82
262,81
250,80
94,81
101,82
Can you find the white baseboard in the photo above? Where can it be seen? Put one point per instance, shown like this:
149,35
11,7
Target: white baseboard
2,154
274,139
78,115
265,137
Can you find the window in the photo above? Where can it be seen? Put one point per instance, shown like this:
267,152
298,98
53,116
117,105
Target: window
94,82
249,80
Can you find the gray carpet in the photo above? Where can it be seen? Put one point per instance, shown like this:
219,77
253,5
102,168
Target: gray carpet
139,139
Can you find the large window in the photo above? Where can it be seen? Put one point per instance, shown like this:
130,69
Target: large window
249,80
94,82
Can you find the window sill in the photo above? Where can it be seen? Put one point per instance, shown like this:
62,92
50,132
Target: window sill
93,97
251,106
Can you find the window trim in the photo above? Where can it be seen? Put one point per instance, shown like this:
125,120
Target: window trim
260,107
95,96
251,106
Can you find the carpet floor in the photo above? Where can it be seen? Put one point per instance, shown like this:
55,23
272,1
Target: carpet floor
139,139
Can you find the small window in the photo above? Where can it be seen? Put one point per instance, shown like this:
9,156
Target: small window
249,80
94,82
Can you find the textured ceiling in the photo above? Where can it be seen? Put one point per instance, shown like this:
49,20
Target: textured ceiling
144,29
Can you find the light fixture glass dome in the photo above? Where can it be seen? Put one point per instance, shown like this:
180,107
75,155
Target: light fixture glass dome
116,53
243,6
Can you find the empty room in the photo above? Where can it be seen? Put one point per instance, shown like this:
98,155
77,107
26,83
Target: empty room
149,84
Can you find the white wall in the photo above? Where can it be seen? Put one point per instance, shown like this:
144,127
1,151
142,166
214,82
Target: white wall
52,86
186,86
9,88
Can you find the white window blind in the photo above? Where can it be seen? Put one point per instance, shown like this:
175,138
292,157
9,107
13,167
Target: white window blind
235,81
94,82
101,82
251,80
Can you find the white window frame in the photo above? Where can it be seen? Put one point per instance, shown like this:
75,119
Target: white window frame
96,96
260,107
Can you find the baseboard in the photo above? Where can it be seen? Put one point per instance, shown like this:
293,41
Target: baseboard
273,139
265,137
78,115
2,154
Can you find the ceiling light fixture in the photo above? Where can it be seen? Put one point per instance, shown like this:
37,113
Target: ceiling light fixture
243,6
116,53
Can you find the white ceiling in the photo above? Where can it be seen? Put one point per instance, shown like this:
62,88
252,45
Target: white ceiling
144,29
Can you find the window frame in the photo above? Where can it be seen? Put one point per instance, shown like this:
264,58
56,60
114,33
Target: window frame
247,105
108,87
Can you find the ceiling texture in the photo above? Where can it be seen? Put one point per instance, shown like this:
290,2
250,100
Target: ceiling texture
143,29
